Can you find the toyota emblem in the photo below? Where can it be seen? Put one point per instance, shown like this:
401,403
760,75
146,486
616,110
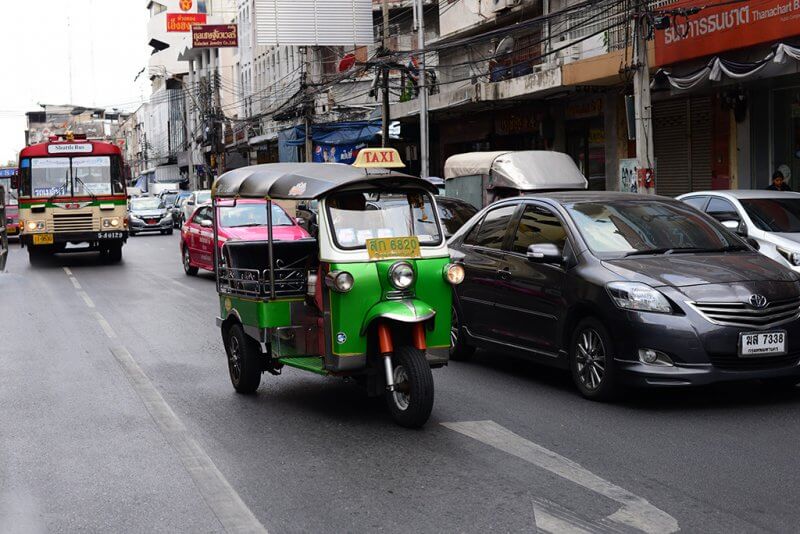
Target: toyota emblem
758,301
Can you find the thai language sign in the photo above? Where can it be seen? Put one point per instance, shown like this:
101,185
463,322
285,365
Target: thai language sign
183,22
725,27
215,36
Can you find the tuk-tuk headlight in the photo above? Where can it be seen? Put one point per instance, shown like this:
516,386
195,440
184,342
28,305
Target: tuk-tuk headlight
454,273
401,275
340,281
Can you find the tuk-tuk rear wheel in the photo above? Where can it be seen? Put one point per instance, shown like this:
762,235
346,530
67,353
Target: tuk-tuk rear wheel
243,360
411,402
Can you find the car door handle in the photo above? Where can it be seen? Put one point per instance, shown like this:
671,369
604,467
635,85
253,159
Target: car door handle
504,273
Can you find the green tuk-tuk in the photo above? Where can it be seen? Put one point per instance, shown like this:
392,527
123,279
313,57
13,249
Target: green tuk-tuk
364,298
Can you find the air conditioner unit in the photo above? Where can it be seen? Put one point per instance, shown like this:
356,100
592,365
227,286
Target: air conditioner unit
500,5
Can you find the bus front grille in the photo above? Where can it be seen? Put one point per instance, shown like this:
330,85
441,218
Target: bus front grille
72,222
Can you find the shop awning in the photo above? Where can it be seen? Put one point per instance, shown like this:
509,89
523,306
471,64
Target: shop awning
782,59
338,133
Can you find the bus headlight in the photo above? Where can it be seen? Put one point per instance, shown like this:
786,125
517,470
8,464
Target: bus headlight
33,226
340,281
401,275
112,222
454,273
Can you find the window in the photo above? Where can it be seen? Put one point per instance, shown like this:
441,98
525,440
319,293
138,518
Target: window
696,202
493,227
202,215
722,210
538,225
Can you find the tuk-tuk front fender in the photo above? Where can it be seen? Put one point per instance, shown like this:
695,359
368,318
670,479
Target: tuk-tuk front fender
404,311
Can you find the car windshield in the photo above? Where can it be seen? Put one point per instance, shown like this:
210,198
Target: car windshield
203,197
252,215
624,228
357,216
774,214
145,204
169,200
454,215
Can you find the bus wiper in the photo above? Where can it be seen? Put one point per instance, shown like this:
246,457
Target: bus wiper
77,179
52,197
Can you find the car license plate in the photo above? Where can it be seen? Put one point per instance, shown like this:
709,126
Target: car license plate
393,247
755,344
42,239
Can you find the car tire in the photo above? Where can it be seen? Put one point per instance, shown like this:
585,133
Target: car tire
591,361
411,404
243,360
459,349
188,268
169,232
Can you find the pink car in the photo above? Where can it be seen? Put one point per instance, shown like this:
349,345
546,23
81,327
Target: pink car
246,221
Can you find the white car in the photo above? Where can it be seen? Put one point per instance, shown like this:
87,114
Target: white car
197,198
770,218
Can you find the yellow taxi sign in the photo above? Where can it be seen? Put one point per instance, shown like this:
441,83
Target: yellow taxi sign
370,158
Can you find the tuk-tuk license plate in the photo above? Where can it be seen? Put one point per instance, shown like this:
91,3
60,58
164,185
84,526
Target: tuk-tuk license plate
757,344
42,239
393,247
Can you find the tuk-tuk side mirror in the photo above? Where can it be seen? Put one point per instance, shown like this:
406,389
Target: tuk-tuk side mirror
545,253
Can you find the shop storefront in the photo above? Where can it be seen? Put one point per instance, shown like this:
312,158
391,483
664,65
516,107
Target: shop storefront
586,138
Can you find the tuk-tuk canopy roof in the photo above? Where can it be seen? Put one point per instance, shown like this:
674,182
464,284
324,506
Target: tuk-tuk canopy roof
525,170
305,181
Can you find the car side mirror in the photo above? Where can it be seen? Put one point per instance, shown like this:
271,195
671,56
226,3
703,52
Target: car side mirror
738,227
190,202
545,253
205,223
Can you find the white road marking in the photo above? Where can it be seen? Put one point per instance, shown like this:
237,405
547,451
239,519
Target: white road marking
75,282
86,299
68,271
635,512
228,507
226,504
105,326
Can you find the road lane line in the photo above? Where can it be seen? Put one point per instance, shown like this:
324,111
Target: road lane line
86,299
224,501
67,270
75,282
635,512
105,326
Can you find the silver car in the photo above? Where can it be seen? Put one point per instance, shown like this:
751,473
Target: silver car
771,219
197,198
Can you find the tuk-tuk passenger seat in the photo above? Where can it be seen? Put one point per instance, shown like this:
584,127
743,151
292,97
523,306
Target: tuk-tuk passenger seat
293,260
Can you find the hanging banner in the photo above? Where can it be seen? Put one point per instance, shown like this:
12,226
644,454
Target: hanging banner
215,36
336,153
728,26
183,22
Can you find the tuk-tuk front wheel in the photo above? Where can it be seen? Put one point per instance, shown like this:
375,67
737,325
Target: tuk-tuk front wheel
243,360
411,401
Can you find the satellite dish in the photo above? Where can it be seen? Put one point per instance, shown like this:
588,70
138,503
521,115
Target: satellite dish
347,62
505,47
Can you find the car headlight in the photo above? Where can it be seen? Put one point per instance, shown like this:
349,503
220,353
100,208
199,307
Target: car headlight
401,275
639,297
340,281
454,273
792,257
135,217
34,226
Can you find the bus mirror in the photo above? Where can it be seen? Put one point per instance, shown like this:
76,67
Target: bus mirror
15,182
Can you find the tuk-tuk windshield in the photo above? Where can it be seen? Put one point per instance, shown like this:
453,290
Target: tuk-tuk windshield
356,216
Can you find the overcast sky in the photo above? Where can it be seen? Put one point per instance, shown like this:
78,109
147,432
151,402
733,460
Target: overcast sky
108,44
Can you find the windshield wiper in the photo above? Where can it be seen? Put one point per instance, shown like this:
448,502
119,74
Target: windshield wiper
249,225
77,179
52,197
666,250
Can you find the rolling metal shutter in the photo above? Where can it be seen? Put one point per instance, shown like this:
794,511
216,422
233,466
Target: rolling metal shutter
682,131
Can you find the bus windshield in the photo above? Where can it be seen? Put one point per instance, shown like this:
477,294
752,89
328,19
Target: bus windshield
71,176
11,197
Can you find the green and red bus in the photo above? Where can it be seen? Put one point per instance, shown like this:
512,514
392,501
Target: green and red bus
72,191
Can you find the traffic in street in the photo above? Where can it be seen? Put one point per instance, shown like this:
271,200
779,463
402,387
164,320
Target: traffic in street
119,413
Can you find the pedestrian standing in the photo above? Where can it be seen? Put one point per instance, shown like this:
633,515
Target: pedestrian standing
777,183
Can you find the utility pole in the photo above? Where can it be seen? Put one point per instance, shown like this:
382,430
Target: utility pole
217,114
385,73
423,92
308,107
645,154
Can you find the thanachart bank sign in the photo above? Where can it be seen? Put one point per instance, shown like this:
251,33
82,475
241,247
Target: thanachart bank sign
728,26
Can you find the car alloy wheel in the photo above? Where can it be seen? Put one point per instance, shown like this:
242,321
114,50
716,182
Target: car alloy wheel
590,359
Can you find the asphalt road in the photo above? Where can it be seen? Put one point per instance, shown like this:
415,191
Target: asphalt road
116,414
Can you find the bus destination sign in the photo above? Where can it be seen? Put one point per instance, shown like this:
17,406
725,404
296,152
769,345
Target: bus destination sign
72,148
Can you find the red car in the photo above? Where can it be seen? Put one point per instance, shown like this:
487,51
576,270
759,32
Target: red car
246,221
